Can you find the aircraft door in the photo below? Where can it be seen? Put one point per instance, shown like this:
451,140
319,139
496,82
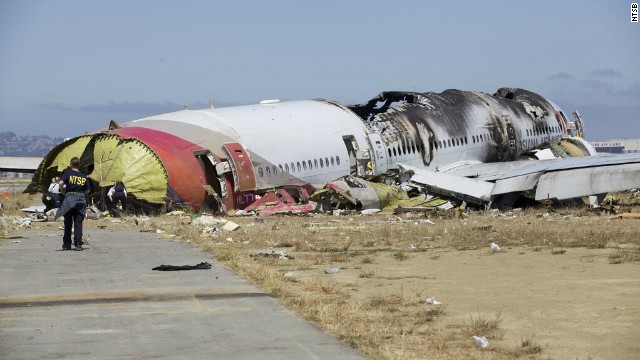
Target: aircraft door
244,177
379,158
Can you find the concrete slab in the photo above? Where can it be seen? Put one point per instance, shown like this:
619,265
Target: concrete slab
106,302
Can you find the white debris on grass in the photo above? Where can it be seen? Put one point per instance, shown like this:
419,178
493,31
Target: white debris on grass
331,270
230,226
495,247
481,341
433,301
208,221
369,211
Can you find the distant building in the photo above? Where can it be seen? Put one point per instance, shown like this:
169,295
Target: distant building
617,146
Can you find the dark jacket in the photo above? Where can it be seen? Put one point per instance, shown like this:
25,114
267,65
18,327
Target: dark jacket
72,201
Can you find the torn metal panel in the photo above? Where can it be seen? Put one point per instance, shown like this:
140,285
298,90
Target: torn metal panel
279,202
289,209
56,161
516,183
471,190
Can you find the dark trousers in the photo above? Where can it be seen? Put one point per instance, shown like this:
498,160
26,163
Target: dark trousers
72,218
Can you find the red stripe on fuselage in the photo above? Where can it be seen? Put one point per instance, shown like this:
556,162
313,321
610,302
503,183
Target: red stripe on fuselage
186,176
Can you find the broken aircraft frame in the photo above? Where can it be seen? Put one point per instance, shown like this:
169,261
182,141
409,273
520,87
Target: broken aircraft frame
470,145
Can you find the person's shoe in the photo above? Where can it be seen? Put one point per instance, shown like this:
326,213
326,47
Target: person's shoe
79,248
66,247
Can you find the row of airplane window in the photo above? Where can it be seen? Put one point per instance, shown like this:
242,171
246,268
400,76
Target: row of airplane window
543,130
443,144
298,166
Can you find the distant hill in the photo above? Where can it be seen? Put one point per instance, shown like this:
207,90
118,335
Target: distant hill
30,145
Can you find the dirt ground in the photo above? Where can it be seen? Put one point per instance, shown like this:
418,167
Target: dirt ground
564,285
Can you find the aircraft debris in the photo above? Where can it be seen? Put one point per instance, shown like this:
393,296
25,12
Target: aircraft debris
432,301
230,226
279,202
273,254
332,270
494,247
481,341
208,220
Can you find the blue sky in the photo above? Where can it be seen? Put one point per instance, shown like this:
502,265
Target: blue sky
67,67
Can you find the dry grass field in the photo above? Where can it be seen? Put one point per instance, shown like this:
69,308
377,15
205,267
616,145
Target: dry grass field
564,285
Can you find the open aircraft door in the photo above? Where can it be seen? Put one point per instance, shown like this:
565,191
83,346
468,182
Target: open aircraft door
244,178
379,154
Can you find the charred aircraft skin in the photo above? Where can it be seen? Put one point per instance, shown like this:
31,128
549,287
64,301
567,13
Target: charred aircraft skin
511,121
229,154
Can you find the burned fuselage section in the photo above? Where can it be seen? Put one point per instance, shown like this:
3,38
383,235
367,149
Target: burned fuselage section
440,129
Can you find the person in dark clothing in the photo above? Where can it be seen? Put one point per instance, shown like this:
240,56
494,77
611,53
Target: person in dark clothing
74,185
117,193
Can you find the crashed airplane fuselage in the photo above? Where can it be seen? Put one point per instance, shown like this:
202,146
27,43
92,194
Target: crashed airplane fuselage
226,155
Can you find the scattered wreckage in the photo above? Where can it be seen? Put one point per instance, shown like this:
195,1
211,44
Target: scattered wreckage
397,150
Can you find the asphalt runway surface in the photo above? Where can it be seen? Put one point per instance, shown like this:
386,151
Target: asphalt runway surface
106,302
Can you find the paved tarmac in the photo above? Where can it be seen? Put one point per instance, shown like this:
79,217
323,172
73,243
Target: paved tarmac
106,303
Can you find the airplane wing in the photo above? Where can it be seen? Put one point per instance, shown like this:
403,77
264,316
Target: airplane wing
560,179
16,164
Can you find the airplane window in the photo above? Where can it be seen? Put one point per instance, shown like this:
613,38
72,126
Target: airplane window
286,168
315,163
268,170
473,138
275,170
309,163
326,162
389,151
413,148
448,142
332,161
260,172
456,142
304,165
466,140
299,166
321,163
338,160
281,168
293,168
394,152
